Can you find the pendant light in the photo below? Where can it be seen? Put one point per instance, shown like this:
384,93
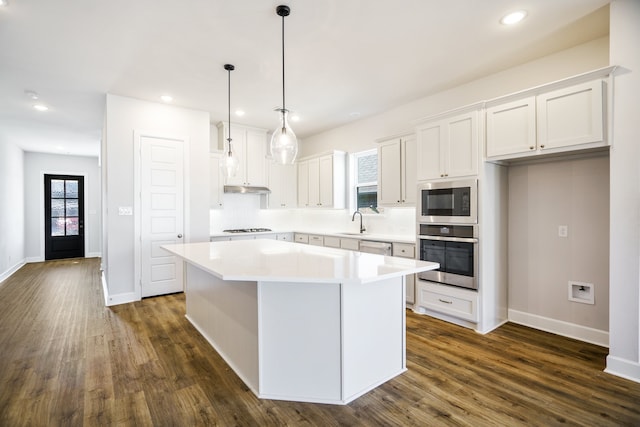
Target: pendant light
284,145
230,164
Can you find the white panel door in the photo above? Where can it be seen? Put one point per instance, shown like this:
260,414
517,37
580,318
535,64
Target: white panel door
162,204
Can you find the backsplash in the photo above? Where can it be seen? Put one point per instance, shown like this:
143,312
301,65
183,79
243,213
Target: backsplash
243,211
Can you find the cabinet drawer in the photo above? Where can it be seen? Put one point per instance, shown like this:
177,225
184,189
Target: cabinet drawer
445,299
333,242
285,237
316,240
405,250
301,238
351,244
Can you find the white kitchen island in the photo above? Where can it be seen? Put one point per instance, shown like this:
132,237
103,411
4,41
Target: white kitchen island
298,322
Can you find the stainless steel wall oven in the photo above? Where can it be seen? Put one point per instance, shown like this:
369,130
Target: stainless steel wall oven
455,248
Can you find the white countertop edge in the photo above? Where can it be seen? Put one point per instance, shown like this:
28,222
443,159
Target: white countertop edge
175,249
389,238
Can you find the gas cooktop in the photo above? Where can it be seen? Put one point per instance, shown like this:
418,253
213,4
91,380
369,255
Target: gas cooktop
246,230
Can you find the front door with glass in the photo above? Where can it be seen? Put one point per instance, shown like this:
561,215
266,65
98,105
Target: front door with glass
64,216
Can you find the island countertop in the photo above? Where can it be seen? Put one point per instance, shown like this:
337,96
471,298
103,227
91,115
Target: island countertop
277,261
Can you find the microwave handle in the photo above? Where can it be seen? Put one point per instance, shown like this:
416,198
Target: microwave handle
449,239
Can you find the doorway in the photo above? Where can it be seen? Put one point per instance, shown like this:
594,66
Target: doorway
63,216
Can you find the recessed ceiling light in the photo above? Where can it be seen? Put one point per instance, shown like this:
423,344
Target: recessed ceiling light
40,107
166,98
239,113
513,17
4,2
295,118
354,115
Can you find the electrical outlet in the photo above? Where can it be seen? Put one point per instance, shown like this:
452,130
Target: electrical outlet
563,231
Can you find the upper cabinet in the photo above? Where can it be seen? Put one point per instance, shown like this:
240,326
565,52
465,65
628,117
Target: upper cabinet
448,147
215,181
250,145
282,183
566,119
397,167
321,181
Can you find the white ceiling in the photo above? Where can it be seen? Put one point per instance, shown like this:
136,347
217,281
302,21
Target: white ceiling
345,59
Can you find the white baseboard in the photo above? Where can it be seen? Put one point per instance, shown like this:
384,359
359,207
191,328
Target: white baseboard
559,327
5,275
93,255
35,259
116,299
623,368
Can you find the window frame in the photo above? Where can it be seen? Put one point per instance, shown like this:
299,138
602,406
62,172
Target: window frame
355,185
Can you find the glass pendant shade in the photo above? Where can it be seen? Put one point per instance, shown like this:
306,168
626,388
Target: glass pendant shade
284,144
230,163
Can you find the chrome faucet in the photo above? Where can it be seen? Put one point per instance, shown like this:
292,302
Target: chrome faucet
353,218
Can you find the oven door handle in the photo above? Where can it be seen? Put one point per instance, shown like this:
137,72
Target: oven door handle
450,239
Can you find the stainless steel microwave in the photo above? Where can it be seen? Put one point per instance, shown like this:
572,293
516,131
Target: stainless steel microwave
448,202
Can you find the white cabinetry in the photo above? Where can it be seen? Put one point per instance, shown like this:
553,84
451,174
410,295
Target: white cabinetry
407,250
250,145
566,119
282,183
397,168
448,147
447,300
321,181
216,179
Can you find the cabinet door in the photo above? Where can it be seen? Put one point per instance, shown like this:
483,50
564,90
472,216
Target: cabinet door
314,182
238,145
461,155
571,116
256,150
409,177
282,183
326,181
389,171
303,184
216,178
511,128
429,151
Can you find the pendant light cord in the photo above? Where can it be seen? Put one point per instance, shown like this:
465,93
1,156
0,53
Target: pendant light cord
283,104
229,109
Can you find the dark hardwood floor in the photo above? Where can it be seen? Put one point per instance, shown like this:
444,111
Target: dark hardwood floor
66,359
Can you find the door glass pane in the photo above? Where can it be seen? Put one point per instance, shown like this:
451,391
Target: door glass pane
72,189
57,208
72,226
57,188
72,207
57,226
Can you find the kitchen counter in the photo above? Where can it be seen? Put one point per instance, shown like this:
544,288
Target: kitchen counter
298,322
378,237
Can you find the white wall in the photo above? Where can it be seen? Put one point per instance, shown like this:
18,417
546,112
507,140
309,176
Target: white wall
12,254
543,196
38,164
124,116
624,323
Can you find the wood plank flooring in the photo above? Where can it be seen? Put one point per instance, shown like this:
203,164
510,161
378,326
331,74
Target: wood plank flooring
67,360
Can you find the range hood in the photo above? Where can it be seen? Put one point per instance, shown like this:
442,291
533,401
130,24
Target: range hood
244,189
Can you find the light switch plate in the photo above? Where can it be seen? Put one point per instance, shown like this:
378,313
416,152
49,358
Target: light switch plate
125,210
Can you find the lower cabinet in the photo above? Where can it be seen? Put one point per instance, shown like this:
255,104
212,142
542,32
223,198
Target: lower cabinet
331,241
407,250
351,244
316,240
448,300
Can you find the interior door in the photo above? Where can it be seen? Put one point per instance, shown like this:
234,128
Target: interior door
161,216
64,216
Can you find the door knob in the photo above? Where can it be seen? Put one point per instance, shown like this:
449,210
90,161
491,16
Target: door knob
179,236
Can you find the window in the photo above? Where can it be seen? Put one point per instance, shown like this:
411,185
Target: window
366,180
